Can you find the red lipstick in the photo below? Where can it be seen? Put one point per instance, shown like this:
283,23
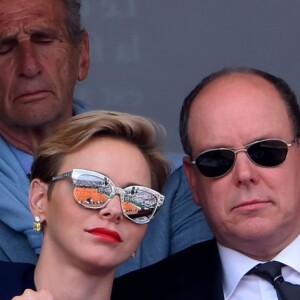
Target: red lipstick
105,234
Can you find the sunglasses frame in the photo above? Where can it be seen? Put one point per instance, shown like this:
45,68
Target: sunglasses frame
76,173
243,149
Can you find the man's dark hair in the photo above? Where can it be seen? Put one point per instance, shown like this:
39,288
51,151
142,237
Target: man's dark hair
281,86
72,20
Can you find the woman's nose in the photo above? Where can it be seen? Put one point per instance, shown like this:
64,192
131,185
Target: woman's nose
112,210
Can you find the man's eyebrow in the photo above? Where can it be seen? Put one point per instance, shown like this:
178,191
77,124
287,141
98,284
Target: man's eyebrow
45,32
7,38
30,32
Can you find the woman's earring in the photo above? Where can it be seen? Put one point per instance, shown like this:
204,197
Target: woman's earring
37,226
133,254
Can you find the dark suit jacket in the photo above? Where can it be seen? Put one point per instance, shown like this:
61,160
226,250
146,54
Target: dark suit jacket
194,273
15,278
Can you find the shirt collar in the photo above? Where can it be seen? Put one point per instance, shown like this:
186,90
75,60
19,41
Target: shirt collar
290,255
236,265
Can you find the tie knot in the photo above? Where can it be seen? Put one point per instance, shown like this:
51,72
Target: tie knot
270,271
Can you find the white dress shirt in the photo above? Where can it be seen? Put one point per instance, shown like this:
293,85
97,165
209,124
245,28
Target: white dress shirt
236,286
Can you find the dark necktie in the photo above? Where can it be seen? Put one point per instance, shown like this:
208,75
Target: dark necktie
271,271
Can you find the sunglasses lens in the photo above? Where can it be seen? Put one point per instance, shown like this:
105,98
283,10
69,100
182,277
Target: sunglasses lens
269,153
91,191
215,163
139,204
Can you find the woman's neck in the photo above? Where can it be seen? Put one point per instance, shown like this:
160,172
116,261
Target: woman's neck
69,282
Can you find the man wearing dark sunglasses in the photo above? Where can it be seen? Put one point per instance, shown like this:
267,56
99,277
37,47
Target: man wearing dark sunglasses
240,130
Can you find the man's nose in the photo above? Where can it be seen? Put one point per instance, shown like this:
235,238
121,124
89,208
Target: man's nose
244,170
28,63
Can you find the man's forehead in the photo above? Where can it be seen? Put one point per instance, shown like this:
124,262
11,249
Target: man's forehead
28,23
30,13
239,106
237,87
23,4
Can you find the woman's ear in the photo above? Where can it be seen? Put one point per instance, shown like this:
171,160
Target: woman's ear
38,198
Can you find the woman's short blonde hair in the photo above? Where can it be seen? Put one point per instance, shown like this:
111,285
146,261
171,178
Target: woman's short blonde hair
78,130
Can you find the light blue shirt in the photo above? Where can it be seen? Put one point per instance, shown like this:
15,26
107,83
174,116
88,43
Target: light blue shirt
25,159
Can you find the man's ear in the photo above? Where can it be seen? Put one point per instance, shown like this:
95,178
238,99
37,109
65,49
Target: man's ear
84,56
190,173
38,198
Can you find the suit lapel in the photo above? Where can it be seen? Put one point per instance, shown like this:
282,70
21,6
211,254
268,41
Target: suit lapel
202,275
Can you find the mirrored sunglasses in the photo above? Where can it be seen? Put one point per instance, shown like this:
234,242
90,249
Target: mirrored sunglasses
94,190
218,162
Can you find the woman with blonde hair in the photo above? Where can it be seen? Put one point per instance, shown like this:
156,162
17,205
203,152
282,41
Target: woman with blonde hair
95,185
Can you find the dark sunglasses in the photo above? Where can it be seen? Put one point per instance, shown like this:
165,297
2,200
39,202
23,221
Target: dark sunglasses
218,162
94,190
